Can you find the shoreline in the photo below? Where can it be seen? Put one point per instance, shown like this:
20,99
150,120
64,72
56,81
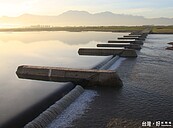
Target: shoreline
155,29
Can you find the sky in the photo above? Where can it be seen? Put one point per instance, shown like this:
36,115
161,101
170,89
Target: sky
146,8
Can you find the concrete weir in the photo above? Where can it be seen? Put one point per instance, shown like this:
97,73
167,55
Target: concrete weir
129,53
129,46
100,75
45,118
84,77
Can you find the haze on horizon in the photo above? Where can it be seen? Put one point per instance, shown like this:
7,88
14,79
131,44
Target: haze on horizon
146,8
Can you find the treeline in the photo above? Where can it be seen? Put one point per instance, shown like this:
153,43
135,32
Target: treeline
77,29
155,29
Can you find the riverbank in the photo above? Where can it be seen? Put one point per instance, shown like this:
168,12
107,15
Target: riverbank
155,29
77,29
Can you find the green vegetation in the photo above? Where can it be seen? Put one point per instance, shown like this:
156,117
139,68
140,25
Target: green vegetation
78,29
162,30
155,29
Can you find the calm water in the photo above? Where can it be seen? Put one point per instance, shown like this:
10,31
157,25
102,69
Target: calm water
40,48
147,94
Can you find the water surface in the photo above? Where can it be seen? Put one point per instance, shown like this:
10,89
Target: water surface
44,49
147,94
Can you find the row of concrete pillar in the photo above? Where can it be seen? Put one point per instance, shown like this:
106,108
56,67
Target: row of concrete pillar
127,46
99,75
91,77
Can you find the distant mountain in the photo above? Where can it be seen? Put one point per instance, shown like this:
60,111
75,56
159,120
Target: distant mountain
83,18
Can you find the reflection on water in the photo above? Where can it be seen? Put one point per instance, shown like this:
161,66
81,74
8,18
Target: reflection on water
49,48
40,48
70,38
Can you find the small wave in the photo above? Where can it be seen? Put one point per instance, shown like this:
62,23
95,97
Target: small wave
74,111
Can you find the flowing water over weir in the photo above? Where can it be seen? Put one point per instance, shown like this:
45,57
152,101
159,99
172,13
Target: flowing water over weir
52,112
146,95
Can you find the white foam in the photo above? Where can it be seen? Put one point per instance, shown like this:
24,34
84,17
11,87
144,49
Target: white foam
74,111
77,108
117,64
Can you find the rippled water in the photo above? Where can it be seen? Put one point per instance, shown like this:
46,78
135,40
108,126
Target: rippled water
40,48
74,111
147,94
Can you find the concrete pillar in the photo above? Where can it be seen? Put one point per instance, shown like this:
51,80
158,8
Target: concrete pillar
129,53
129,46
135,36
127,41
128,38
89,77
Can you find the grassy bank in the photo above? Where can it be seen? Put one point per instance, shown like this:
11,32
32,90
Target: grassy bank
78,29
162,30
155,29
